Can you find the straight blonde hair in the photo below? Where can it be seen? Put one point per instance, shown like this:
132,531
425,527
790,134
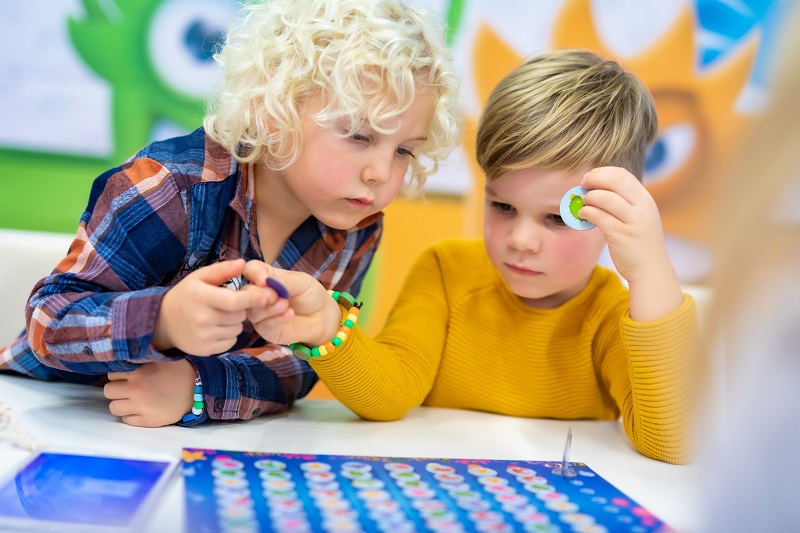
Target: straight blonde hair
564,110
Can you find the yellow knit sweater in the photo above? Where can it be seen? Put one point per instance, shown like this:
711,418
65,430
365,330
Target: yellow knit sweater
458,338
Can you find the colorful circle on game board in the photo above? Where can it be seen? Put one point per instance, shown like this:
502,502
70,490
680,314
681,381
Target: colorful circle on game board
531,517
436,468
277,484
269,465
587,490
398,467
489,527
230,482
552,497
465,495
571,204
325,494
474,505
320,477
280,516
532,480
368,484
356,474
274,474
455,486
405,476
382,506
285,506
231,493
356,465
387,520
586,473
293,526
442,524
448,478
577,518
419,493
403,527
520,471
323,485
429,505
280,494
479,471
341,525
315,466
236,511
374,495
511,500
499,489
539,489
590,528
492,481
562,507
485,516
227,473
333,504
403,484
226,462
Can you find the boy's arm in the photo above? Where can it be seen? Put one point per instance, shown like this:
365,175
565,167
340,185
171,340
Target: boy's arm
649,369
385,377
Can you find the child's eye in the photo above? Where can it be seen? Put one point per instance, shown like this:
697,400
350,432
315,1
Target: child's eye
557,220
405,151
503,208
360,137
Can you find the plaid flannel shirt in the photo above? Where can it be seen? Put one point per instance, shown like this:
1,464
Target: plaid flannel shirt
176,206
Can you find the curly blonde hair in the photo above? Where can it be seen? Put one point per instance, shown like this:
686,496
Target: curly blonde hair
566,109
366,58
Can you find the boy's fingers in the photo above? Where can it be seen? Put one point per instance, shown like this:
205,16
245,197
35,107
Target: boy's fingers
220,273
257,272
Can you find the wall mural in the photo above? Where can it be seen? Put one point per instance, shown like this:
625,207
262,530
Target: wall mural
88,82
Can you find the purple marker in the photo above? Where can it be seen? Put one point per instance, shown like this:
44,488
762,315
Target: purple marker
278,287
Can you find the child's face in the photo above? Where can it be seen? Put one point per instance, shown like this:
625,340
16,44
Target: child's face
542,260
342,180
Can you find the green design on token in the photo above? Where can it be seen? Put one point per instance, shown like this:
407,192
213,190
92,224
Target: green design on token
575,204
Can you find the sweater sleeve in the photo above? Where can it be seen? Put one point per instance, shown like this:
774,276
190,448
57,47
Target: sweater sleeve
385,377
650,378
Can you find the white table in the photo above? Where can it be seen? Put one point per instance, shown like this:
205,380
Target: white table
76,416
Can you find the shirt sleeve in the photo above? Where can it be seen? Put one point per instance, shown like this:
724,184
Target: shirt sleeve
97,311
251,383
649,369
385,377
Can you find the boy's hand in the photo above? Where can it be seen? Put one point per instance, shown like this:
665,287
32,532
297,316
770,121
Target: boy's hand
200,317
154,395
626,213
309,315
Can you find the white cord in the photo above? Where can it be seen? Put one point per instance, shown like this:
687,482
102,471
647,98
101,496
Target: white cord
10,430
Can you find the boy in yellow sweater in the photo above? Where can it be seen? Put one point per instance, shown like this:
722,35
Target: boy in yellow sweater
525,323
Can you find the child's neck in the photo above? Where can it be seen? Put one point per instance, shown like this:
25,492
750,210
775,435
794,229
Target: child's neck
277,212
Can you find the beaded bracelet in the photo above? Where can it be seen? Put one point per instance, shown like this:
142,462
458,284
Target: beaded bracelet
199,402
353,309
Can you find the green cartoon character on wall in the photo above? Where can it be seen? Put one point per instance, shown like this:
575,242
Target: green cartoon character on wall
156,58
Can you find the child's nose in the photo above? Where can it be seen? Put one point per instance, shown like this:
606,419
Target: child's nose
378,169
524,237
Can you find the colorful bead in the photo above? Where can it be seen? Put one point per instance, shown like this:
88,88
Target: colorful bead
198,401
353,309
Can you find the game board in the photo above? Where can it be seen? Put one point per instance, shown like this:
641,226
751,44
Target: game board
232,492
